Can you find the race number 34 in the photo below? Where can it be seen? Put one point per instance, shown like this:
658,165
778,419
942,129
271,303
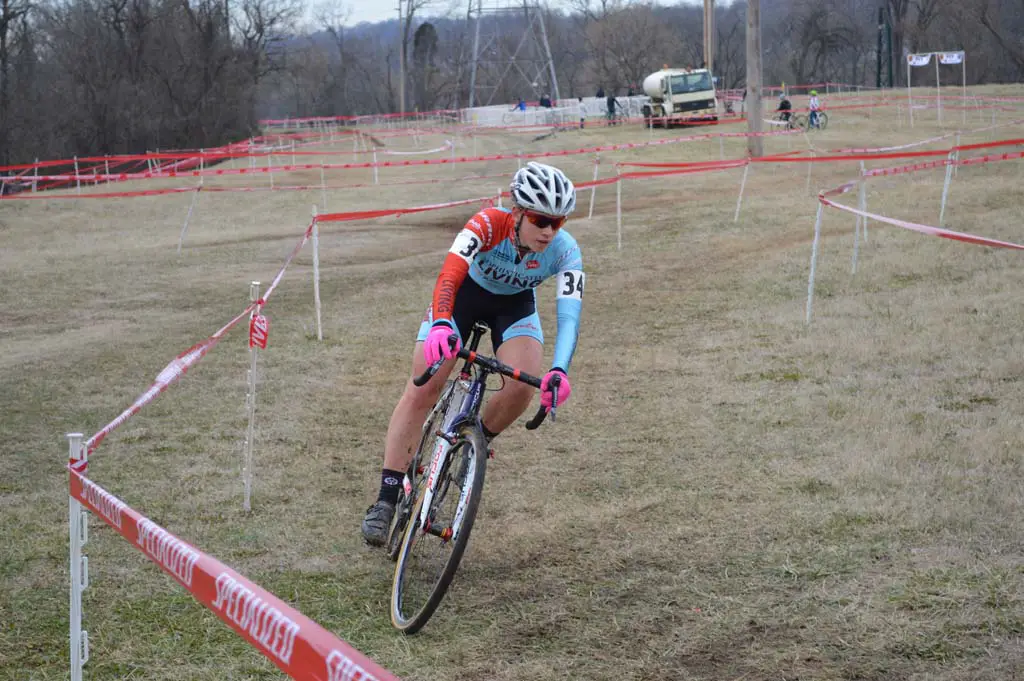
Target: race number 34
571,284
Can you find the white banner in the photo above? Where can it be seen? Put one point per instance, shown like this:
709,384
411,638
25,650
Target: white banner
951,57
919,59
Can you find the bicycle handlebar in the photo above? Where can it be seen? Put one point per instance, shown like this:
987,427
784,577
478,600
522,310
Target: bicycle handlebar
497,367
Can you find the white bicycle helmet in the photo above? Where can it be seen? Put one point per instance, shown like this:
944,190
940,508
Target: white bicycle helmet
544,189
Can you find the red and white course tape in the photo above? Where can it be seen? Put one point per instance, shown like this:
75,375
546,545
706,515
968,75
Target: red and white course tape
297,645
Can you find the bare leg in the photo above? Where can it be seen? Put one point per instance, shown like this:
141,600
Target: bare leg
509,403
407,419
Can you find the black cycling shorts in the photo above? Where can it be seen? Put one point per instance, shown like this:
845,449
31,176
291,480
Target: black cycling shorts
507,316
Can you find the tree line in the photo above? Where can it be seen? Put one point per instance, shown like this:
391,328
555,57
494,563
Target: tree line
86,77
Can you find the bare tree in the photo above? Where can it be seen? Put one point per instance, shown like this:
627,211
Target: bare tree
12,15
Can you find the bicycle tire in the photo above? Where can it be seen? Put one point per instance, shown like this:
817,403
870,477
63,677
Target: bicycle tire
410,620
822,120
798,121
403,507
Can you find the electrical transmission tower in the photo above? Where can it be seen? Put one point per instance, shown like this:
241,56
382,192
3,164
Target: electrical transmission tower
510,51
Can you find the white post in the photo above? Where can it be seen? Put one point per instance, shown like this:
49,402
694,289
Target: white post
910,98
293,154
899,114
938,89
270,166
721,148
323,187
202,158
957,166
864,198
856,245
250,403
355,146
618,203
950,164
78,566
316,275
743,184
106,166
814,261
188,216
78,179
810,163
593,190
963,72
35,173
376,178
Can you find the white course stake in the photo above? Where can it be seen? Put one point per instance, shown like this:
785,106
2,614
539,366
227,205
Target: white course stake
950,165
499,197
957,166
814,262
743,184
106,166
810,163
593,190
376,178
721,148
864,199
250,404
188,216
618,203
270,168
316,275
78,565
323,187
35,178
78,178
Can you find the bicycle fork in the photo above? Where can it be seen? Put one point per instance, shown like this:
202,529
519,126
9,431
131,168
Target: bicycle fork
438,464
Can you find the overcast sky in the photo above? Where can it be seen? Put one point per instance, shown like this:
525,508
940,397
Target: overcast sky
381,10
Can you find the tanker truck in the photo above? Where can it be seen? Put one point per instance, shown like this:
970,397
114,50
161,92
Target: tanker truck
679,95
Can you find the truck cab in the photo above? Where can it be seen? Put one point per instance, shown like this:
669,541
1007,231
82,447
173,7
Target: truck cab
680,95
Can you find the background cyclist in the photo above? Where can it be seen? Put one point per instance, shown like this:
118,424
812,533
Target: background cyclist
815,107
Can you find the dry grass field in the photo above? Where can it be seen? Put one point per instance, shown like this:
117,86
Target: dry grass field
730,494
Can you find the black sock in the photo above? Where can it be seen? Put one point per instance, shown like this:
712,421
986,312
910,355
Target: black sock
488,435
390,485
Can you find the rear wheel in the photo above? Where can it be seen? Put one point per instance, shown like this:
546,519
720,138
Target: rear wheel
822,120
428,557
798,122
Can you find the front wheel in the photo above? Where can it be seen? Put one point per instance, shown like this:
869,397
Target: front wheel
822,120
431,551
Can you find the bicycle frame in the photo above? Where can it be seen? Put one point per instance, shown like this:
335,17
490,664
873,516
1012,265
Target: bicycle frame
469,411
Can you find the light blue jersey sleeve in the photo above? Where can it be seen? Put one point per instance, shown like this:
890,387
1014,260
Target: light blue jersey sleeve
570,280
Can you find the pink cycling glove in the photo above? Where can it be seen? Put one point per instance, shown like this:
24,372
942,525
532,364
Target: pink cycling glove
436,346
564,389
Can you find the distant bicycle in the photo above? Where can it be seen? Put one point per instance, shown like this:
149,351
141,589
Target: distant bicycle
820,123
795,121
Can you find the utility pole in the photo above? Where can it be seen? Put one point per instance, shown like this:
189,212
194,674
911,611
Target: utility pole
709,35
401,61
755,146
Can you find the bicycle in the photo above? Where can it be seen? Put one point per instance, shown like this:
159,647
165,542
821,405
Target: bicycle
821,122
453,438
